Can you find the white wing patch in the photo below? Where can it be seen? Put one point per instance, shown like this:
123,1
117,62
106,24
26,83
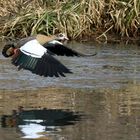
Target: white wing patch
33,48
55,42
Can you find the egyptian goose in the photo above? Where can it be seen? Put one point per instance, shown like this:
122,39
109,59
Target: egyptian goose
35,54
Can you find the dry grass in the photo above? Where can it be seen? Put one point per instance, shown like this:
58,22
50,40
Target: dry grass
78,19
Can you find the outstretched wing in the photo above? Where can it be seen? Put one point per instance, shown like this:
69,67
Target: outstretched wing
58,48
34,57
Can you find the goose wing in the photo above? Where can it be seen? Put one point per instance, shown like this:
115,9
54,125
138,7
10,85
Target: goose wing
34,57
58,48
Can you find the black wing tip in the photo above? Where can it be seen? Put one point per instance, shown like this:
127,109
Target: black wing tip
60,74
76,54
48,66
63,73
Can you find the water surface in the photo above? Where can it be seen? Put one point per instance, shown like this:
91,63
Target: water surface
113,66
100,100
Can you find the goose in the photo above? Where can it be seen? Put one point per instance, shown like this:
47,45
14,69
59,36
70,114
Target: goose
35,53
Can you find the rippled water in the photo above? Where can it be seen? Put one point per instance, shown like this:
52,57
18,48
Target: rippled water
113,66
100,100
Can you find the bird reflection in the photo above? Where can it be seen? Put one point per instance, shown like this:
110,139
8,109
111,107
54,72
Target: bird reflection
34,122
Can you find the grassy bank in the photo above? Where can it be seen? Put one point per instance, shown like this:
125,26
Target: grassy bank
80,19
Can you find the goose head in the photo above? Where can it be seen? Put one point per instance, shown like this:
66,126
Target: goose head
8,49
61,37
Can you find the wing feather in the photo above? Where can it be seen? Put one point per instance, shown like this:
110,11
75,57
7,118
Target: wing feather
46,66
60,49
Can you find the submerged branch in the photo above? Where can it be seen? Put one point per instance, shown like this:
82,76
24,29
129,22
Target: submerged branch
104,34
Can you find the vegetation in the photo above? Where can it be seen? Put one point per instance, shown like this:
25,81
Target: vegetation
77,18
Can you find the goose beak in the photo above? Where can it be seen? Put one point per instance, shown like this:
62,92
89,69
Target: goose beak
66,38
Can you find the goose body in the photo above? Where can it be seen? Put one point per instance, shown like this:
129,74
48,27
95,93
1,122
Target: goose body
35,54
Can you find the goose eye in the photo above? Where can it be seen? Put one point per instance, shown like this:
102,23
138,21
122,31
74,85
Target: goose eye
60,35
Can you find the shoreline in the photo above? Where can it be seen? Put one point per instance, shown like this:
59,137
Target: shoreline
110,39
100,21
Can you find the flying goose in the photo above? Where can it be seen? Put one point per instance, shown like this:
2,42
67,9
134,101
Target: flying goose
35,54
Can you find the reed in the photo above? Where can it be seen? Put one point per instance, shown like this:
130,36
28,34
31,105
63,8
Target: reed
78,19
